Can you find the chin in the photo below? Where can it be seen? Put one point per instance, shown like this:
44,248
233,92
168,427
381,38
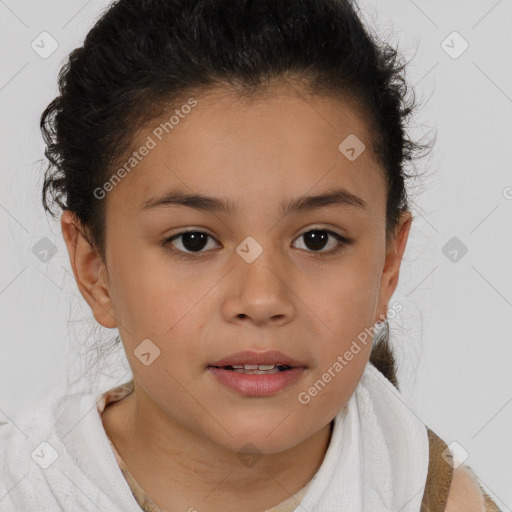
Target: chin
265,439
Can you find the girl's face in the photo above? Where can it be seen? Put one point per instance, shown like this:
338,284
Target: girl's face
257,279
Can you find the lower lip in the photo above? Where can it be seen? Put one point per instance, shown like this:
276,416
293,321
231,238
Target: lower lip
256,384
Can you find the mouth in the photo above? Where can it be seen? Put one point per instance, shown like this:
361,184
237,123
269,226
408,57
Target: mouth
250,360
253,373
255,369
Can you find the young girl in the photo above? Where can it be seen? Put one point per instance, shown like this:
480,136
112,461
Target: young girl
231,175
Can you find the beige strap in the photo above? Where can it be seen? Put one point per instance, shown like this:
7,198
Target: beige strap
490,506
439,476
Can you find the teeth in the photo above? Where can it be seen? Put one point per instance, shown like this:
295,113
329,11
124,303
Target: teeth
253,366
258,369
256,372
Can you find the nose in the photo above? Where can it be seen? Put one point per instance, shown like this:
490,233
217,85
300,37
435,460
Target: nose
260,292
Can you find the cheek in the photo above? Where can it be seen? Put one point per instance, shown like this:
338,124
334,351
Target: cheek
142,294
345,332
154,300
347,301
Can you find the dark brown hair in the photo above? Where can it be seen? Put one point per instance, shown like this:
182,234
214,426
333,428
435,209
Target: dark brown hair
144,55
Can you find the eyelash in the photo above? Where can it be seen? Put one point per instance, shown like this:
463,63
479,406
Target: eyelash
344,241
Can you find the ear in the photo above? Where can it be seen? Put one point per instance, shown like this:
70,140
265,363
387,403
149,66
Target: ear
89,270
393,259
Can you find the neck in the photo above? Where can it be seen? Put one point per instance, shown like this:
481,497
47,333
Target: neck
181,470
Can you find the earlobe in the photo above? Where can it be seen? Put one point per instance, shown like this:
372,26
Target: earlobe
88,269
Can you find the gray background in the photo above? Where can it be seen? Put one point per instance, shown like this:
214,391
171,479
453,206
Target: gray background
453,336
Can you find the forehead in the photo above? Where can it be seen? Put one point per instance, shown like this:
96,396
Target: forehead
280,144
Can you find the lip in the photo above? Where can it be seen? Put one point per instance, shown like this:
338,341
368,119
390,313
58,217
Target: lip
256,384
253,357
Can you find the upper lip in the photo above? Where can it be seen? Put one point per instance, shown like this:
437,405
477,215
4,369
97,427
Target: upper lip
253,357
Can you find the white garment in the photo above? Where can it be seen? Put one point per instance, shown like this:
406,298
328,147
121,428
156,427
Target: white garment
377,459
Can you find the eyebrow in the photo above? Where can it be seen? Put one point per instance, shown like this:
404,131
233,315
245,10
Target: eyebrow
334,197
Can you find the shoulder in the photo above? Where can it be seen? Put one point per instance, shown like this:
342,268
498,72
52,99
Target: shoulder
465,493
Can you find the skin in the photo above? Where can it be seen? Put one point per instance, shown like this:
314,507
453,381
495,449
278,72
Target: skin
180,425
465,492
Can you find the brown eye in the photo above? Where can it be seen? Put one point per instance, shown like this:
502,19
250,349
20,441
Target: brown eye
316,239
191,241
